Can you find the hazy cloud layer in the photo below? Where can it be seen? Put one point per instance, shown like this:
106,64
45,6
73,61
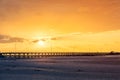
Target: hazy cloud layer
105,41
86,38
9,39
77,37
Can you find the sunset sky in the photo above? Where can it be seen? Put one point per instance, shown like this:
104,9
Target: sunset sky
60,25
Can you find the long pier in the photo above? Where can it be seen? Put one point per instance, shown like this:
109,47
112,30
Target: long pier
36,54
48,54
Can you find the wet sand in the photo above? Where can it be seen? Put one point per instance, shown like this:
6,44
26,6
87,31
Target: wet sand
62,68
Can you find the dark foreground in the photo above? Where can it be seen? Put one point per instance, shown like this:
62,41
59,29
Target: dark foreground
62,68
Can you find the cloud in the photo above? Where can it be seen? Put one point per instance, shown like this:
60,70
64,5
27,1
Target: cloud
70,36
9,39
90,41
108,40
35,41
107,37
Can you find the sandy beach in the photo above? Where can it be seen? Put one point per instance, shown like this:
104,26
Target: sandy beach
62,68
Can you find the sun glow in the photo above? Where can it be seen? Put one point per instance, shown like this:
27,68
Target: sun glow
41,43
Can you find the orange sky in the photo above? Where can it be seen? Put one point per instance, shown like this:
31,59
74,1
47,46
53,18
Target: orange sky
75,25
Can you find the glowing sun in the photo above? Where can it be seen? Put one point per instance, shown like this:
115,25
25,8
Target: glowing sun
41,43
